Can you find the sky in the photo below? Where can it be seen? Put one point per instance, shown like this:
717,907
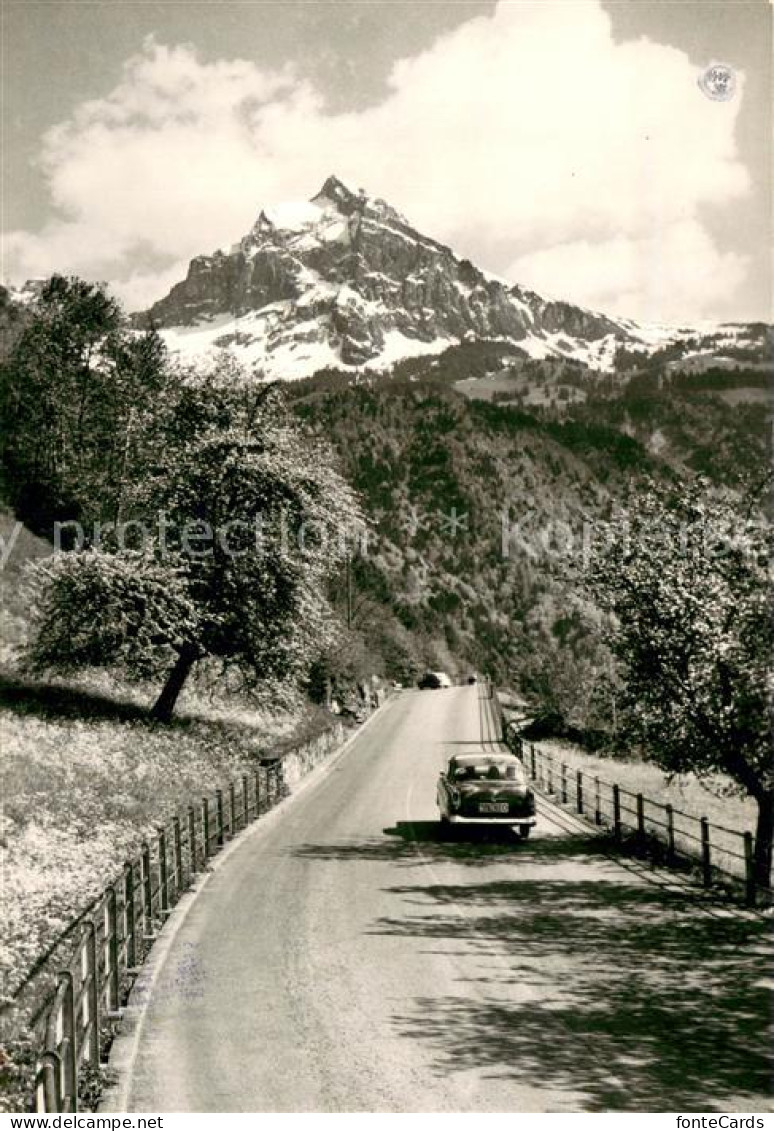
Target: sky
564,144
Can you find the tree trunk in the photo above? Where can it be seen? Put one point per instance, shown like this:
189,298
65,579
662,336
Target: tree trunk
165,704
763,838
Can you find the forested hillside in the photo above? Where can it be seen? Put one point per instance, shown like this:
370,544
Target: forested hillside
485,514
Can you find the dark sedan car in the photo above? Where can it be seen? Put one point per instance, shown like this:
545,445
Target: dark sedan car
434,680
486,789
429,681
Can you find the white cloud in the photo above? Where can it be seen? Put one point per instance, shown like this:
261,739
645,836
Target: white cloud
674,268
141,288
528,140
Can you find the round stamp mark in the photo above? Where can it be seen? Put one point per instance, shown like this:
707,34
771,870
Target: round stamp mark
718,82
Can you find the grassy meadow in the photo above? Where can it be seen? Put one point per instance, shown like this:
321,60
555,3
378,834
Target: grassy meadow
86,774
87,778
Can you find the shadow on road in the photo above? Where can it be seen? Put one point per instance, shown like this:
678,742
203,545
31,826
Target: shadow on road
425,842
662,1010
575,976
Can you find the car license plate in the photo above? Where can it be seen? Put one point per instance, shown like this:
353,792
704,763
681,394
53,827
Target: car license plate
493,806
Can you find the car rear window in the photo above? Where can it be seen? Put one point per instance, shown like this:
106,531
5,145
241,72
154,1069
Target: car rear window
488,771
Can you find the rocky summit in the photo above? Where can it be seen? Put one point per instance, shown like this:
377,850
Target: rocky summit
345,281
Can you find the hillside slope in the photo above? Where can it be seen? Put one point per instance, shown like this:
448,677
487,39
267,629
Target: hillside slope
483,513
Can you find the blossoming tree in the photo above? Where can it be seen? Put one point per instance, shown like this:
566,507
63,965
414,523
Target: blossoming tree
688,583
234,521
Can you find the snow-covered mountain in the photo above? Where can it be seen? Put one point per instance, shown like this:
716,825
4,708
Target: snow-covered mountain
344,280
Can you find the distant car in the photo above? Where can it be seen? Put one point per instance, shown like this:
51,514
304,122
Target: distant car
472,678
486,789
429,681
434,680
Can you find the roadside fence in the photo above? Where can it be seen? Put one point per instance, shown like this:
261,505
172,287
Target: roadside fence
668,835
112,939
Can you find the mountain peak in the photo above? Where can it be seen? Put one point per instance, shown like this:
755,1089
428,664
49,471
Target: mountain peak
335,192
345,280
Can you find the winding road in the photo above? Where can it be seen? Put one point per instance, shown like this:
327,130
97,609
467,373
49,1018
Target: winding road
346,957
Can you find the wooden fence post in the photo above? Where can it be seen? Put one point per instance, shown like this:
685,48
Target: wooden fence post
640,821
147,892
161,846
670,831
750,894
257,777
69,1086
111,951
219,816
177,856
617,812
48,1083
550,778
245,801
564,783
232,825
597,803
192,861
130,918
205,829
532,759
706,858
579,790
91,999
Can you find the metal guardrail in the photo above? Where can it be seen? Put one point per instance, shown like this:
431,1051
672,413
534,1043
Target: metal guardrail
117,931
670,835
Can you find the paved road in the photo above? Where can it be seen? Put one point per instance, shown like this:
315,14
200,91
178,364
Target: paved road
346,958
